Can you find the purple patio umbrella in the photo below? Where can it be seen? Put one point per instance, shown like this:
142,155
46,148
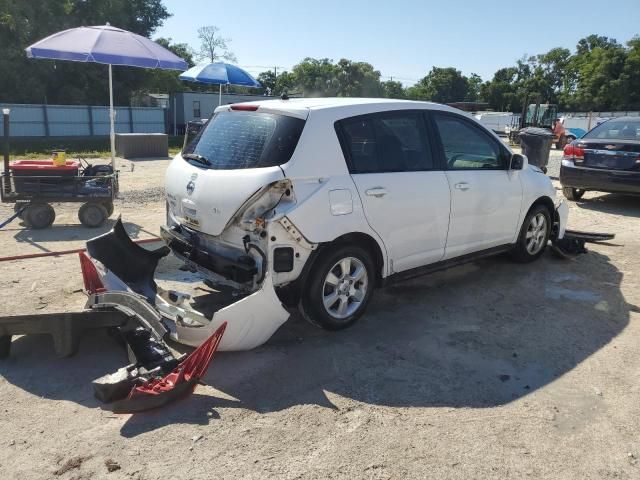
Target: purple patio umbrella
108,45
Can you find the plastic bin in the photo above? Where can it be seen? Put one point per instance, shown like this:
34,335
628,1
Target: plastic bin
536,145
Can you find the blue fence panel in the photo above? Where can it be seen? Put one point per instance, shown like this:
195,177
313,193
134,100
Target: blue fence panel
147,120
81,120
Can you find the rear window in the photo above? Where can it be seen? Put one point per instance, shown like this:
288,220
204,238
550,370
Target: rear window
236,140
616,130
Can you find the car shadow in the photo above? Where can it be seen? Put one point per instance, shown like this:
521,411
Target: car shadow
613,203
71,232
475,336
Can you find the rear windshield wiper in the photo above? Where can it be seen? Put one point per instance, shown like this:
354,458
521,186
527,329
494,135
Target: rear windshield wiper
197,158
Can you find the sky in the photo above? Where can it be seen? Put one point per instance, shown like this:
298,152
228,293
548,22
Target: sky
402,39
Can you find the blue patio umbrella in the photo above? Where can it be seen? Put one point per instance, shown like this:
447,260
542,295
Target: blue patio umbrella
108,45
219,73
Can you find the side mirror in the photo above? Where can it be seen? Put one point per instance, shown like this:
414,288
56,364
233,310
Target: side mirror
517,162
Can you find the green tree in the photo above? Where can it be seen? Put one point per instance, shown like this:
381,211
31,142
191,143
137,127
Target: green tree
165,81
316,77
474,92
595,75
630,76
23,22
393,89
357,79
442,85
268,81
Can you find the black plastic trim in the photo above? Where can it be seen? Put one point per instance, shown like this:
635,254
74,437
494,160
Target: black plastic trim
445,264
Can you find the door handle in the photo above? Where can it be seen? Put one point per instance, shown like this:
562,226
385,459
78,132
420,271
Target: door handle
462,186
377,192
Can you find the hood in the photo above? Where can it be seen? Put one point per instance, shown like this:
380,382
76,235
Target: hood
206,199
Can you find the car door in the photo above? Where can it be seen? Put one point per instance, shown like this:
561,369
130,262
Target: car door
405,199
486,196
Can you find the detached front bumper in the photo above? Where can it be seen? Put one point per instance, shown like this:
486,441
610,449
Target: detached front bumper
122,265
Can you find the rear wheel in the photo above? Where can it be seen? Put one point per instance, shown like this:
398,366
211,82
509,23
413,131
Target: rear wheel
339,288
39,215
534,235
92,215
572,193
109,208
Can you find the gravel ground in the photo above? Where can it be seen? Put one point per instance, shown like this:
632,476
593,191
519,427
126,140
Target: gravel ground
491,370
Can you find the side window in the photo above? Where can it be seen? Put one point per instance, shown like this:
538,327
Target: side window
196,109
401,143
391,142
466,147
360,143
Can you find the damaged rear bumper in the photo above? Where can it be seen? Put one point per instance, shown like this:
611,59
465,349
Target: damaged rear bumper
251,321
238,268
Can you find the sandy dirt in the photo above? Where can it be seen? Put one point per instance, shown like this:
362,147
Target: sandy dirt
490,370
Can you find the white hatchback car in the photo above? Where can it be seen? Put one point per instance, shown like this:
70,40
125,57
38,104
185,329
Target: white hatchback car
324,199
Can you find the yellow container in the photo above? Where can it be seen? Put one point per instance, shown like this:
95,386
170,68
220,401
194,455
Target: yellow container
59,158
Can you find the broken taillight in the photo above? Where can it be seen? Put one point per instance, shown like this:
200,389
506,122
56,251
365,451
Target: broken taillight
572,152
91,278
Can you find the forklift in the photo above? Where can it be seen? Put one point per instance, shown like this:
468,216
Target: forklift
536,115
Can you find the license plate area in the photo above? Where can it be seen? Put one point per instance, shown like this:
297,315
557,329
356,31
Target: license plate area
609,160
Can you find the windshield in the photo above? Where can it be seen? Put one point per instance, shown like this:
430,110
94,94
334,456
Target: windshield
240,139
623,129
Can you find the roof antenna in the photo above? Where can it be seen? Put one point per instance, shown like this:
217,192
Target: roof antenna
284,96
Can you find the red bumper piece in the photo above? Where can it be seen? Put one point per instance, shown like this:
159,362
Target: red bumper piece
182,381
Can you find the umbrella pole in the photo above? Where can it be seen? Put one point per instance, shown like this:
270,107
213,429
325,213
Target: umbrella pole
112,114
220,96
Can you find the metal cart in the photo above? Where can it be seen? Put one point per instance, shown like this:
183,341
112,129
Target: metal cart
94,186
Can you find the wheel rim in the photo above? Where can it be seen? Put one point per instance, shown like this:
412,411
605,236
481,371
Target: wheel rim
345,287
536,234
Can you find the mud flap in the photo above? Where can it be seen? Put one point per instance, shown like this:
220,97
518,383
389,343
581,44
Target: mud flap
131,263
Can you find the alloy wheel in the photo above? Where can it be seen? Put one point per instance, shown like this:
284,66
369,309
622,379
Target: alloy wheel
345,287
536,234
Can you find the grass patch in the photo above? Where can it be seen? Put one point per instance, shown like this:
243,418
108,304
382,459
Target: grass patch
88,147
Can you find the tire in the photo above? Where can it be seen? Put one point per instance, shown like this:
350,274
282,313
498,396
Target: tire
92,214
534,236
572,193
109,208
19,206
333,299
39,215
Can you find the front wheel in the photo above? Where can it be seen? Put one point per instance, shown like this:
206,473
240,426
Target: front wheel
534,235
339,288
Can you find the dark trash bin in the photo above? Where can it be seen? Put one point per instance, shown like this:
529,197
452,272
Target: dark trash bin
536,145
